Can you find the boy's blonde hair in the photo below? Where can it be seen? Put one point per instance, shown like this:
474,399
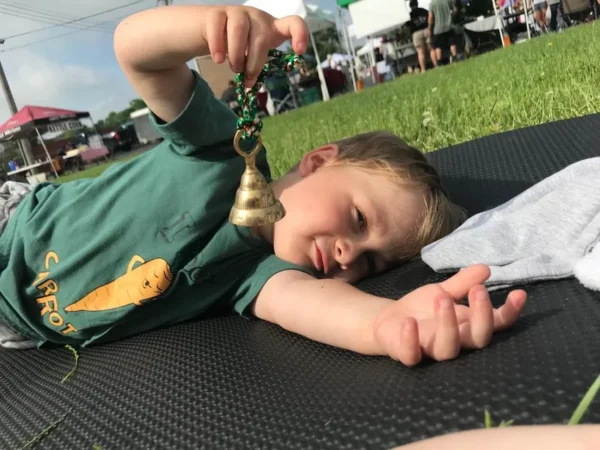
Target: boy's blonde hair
385,152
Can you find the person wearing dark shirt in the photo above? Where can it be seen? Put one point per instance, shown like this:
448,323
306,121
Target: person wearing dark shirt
420,35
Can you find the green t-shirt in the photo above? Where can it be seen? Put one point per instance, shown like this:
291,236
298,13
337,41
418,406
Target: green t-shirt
442,15
147,244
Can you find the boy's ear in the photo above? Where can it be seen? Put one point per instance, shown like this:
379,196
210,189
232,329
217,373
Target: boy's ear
317,158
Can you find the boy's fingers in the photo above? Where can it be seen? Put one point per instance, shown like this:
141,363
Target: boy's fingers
447,338
399,339
216,35
508,313
409,350
481,325
461,283
294,28
258,53
238,27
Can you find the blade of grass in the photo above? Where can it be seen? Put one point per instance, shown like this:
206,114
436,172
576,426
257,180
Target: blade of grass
44,432
585,402
488,419
75,366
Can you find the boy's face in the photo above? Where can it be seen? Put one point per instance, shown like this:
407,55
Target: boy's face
343,221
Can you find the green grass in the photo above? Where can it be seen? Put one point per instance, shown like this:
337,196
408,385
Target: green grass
548,78
92,172
576,417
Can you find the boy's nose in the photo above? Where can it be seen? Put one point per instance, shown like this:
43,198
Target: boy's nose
345,253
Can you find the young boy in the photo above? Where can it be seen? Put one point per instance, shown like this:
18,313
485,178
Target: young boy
148,243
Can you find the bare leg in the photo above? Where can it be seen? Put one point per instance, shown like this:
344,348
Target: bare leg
421,55
541,19
433,56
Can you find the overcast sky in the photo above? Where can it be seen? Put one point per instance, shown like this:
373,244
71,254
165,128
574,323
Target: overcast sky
63,66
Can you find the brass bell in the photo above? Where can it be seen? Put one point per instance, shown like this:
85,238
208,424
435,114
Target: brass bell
255,203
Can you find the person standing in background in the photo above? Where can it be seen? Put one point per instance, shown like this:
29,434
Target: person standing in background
420,34
441,28
554,6
540,7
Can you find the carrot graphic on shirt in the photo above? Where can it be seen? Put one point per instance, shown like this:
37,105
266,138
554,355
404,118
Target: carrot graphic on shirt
145,282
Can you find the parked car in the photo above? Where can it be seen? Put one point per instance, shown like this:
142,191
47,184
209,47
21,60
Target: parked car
123,138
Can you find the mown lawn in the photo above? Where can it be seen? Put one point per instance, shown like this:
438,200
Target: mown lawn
548,78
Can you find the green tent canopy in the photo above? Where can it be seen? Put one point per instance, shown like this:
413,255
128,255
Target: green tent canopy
345,3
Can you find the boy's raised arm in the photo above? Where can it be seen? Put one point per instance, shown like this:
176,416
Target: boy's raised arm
153,47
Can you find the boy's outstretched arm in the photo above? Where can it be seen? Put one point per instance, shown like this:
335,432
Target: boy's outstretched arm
425,322
153,47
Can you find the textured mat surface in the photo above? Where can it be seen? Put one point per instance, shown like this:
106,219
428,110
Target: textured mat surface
231,383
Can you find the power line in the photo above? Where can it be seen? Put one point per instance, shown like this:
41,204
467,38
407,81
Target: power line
60,35
26,16
72,21
51,14
42,14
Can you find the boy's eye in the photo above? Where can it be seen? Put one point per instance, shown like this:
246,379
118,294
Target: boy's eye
361,219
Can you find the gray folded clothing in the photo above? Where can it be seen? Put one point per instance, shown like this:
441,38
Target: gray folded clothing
550,231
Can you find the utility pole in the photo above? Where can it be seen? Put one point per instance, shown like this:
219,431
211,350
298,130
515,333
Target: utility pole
7,93
23,143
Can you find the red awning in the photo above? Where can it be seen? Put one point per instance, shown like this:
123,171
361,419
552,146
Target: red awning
33,115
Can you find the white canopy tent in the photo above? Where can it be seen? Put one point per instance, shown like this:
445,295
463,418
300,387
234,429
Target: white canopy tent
337,58
317,19
376,17
366,49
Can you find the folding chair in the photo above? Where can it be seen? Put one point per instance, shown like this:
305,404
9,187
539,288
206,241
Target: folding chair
281,93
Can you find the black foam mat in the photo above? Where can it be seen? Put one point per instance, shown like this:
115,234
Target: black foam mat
226,382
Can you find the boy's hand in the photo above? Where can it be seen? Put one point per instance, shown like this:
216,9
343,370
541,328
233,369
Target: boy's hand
247,34
154,45
428,322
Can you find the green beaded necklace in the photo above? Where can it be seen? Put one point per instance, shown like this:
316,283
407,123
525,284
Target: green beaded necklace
249,123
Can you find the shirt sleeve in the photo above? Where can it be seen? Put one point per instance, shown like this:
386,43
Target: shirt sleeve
252,285
205,129
205,123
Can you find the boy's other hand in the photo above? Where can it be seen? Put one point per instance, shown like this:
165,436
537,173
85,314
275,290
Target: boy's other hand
247,34
430,322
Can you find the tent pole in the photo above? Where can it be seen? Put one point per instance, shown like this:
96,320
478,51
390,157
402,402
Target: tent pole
345,31
527,19
324,89
497,16
46,150
95,129
21,152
